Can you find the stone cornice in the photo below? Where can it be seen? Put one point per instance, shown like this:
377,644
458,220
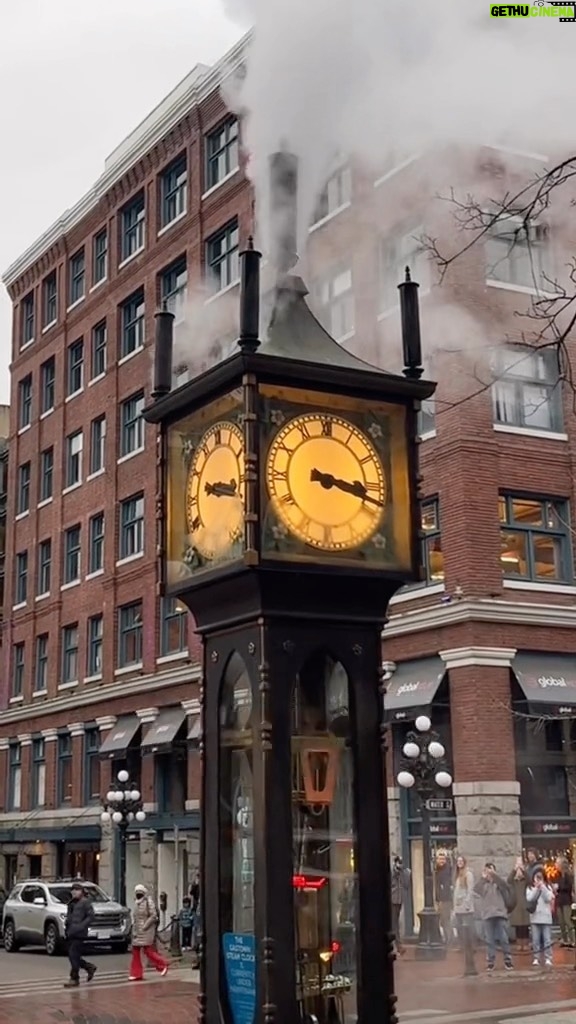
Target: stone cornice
198,85
482,610
464,657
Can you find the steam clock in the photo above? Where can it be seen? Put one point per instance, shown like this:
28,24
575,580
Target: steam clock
288,520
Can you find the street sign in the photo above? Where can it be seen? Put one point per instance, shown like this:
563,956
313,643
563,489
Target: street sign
439,805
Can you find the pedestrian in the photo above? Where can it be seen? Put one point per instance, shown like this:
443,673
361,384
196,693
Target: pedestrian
186,922
464,908
79,916
519,917
144,925
3,898
399,882
540,904
194,892
534,862
564,895
495,901
443,888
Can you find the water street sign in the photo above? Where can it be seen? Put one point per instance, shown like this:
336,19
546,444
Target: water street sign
439,804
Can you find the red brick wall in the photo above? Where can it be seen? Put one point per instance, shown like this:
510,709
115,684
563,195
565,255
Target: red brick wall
482,726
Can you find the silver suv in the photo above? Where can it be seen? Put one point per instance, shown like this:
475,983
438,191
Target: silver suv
35,914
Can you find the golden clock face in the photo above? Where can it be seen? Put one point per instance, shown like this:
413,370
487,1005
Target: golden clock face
215,490
326,481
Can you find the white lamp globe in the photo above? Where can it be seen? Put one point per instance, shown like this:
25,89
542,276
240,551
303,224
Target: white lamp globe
443,779
135,794
411,749
405,779
140,816
435,749
110,795
423,723
116,817
105,818
119,795
123,776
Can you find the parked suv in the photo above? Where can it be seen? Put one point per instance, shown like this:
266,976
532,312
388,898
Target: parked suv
35,914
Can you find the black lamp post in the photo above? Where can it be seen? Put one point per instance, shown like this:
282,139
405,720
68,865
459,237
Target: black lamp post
122,806
423,767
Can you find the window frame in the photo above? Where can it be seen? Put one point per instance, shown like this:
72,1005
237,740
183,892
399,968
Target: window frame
18,668
174,288
174,191
44,567
49,300
70,654
38,762
75,368
337,303
539,252
98,257
14,773
132,425
427,536
98,350
23,488
228,259
25,395
132,327
27,320
74,460
21,577
227,144
48,386
72,554
340,181
41,656
170,613
131,528
558,507
64,768
91,758
46,474
77,277
95,646
518,383
133,227
97,445
96,544
129,629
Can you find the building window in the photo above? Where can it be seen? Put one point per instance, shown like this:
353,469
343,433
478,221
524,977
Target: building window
21,577
132,424
221,153
335,196
519,254
46,474
70,653
95,634
534,539
15,777
92,766
335,301
25,402
427,417
47,385
431,541
174,289
23,499
174,634
222,257
75,367
77,277
72,546
44,567
49,300
38,773
96,543
18,670
132,526
41,667
27,321
132,220
64,769
527,391
100,257
173,189
97,444
74,446
395,255
130,634
132,312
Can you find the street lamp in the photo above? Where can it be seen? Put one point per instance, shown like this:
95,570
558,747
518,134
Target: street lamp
423,767
122,806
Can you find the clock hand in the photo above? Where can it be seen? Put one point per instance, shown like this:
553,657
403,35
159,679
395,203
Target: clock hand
327,480
221,490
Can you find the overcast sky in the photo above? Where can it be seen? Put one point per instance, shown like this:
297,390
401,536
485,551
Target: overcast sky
75,79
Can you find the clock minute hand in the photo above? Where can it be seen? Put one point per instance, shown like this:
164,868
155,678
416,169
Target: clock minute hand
327,480
222,490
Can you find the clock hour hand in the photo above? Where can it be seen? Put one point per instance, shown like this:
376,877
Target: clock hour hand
222,490
355,487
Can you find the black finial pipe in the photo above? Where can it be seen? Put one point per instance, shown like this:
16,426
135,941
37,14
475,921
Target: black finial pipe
249,298
163,344
410,316
283,210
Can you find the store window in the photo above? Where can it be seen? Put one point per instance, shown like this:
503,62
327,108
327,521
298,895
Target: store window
535,538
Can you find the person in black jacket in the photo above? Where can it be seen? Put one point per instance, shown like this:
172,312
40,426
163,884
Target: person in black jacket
444,893
78,919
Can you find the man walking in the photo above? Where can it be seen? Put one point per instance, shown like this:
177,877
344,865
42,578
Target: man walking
78,919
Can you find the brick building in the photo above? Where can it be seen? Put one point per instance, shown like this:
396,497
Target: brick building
97,667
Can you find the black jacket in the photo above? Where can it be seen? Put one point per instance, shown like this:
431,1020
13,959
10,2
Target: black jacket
443,884
79,918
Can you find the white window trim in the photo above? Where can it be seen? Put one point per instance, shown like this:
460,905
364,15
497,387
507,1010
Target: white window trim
75,303
130,455
523,289
26,345
93,575
214,188
129,558
17,607
131,355
95,380
98,284
49,326
396,170
418,592
546,435
48,412
71,584
427,435
126,669
72,487
165,659
93,679
228,288
97,472
177,218
68,686
74,394
516,152
23,430
43,596
132,255
21,515
44,502
17,700
542,588
329,216
39,693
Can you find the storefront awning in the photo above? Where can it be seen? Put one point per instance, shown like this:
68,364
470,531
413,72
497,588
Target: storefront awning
413,686
548,682
163,730
195,731
120,736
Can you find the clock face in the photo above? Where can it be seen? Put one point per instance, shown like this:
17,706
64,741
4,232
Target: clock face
326,481
215,490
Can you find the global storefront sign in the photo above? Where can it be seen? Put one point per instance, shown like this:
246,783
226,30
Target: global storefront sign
438,829
542,827
411,687
548,682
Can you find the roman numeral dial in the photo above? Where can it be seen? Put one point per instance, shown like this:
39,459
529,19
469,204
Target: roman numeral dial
326,481
215,491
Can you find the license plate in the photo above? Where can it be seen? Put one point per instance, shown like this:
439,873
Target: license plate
103,935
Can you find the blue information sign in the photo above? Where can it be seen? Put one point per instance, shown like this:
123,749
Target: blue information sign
240,959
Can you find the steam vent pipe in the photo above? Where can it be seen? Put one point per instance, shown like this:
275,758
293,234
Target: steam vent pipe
283,210
410,316
163,344
249,298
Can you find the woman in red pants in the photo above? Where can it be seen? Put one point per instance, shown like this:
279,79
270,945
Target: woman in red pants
144,922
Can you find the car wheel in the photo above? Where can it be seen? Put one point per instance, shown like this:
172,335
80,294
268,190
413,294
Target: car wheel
52,940
10,943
